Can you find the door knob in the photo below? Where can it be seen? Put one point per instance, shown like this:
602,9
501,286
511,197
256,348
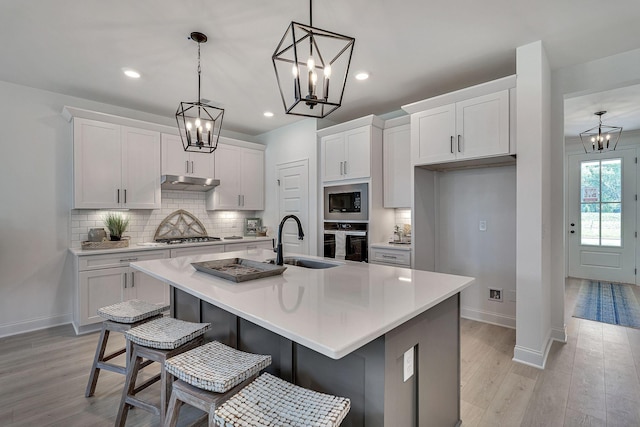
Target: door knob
573,231
573,224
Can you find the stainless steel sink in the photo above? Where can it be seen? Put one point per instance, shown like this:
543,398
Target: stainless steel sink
304,262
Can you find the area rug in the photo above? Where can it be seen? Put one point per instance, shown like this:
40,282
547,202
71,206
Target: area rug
608,303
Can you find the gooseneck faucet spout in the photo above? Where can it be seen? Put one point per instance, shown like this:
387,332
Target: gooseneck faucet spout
279,257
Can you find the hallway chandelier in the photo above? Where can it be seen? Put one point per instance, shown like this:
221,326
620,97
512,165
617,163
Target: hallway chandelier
304,80
199,123
599,138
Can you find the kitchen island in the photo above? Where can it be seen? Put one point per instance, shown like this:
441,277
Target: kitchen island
341,330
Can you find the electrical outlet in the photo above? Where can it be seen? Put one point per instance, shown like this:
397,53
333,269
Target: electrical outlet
408,364
495,294
482,226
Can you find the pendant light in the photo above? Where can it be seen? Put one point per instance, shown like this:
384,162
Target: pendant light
199,123
311,68
602,137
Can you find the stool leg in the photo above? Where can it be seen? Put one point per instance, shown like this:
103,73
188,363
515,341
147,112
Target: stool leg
95,371
129,387
173,411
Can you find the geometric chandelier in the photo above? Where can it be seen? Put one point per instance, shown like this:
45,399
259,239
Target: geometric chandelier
199,123
599,138
311,68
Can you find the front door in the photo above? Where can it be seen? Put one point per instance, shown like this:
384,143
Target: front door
602,216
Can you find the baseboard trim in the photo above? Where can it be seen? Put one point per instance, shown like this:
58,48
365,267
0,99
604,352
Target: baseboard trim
488,317
531,357
34,325
559,335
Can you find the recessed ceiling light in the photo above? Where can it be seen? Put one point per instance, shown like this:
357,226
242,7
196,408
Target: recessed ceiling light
131,73
363,75
268,114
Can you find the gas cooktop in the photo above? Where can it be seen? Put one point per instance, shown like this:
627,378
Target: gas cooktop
179,240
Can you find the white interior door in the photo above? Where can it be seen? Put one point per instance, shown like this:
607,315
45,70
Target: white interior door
602,216
293,199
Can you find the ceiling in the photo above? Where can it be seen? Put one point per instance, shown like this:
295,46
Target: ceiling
413,49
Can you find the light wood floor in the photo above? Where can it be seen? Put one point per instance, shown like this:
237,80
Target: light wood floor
592,380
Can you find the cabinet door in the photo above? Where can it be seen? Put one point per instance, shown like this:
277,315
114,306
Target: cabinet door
357,147
140,169
483,125
97,158
201,164
227,160
99,288
432,135
396,169
252,180
332,149
174,159
197,250
147,288
250,247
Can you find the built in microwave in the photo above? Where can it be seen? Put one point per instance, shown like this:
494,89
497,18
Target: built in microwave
346,202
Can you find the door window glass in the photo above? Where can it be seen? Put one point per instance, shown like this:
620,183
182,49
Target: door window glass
601,202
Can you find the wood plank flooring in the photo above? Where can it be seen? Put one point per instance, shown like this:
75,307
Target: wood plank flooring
592,380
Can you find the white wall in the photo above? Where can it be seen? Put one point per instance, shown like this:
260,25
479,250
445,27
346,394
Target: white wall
533,330
594,76
36,160
465,198
284,145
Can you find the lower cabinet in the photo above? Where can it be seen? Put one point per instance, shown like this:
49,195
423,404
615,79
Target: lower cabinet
107,279
388,255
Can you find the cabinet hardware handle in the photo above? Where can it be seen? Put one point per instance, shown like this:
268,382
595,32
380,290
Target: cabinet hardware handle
133,279
129,260
243,200
345,167
118,196
459,144
125,280
186,166
388,256
192,171
239,200
451,144
125,196
341,168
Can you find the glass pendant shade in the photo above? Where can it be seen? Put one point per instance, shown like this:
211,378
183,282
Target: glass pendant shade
199,123
600,138
311,67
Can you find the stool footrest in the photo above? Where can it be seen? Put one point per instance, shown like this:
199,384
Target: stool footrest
134,401
114,354
147,383
111,367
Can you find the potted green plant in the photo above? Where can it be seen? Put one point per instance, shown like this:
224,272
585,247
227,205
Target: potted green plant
117,224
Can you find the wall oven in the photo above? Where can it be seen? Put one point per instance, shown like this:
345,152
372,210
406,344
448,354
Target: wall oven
348,241
346,202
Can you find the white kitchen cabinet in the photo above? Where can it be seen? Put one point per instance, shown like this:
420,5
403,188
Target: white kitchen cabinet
248,246
469,129
107,279
241,174
396,166
197,250
176,161
390,255
115,166
346,155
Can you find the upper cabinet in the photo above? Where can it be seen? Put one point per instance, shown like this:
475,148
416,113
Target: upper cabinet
240,170
115,166
472,127
396,166
346,149
176,161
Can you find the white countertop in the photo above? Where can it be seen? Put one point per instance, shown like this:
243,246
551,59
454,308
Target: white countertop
152,246
333,311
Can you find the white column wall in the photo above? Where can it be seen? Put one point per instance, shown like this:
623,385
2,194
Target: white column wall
533,195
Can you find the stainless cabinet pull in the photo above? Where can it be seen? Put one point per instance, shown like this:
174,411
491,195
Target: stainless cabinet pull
125,195
192,170
388,256
118,196
451,144
341,173
133,279
125,280
129,260
186,166
345,167
459,144
239,200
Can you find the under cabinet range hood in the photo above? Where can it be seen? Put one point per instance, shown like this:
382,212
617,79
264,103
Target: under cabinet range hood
187,183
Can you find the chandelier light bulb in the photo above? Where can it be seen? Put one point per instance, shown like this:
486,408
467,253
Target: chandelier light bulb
294,71
197,123
311,63
327,71
189,125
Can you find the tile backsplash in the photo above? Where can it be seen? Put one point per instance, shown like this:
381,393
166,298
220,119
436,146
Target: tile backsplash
143,223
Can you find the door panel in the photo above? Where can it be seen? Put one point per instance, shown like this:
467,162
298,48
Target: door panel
602,216
293,199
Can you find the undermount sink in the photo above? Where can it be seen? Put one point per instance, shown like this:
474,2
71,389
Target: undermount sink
304,262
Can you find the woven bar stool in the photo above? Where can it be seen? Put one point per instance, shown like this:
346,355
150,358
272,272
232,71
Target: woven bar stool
208,375
120,318
271,401
156,341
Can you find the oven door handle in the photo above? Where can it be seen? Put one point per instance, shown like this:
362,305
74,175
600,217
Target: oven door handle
355,233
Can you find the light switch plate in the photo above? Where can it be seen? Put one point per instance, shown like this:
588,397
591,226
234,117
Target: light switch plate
408,364
482,226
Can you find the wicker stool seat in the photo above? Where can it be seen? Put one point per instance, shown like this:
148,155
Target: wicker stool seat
271,401
208,375
156,341
120,318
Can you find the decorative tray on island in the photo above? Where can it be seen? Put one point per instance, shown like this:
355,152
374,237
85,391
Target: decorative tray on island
238,269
